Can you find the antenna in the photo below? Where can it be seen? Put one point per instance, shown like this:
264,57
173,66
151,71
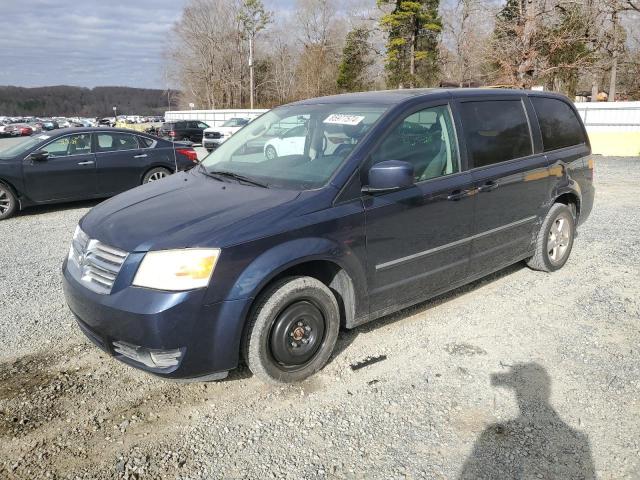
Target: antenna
175,158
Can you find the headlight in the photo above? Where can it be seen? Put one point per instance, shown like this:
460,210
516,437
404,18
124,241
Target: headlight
177,270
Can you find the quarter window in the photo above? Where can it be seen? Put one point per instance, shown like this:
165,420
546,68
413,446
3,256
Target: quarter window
495,131
558,122
70,145
146,142
426,139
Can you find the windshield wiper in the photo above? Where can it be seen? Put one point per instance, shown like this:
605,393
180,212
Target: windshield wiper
238,177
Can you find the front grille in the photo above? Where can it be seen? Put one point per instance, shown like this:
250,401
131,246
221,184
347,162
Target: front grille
94,263
214,135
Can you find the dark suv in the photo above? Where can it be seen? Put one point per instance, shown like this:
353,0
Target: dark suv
183,130
385,199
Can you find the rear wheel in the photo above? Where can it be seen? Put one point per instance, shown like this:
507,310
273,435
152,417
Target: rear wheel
8,202
555,239
292,330
155,174
270,153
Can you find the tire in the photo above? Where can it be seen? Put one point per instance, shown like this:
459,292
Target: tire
8,202
270,152
155,174
289,312
555,240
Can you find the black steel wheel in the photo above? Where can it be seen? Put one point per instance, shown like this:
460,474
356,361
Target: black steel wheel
292,331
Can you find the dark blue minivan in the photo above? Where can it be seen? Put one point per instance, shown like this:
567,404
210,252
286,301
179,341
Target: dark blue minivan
327,213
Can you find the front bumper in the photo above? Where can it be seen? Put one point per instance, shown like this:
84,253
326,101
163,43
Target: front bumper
207,335
212,142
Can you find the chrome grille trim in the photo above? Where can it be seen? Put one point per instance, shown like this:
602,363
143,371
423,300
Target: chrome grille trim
94,263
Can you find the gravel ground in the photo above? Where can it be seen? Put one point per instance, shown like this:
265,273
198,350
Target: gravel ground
519,372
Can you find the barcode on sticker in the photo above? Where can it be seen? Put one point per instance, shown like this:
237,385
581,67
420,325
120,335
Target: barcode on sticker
340,119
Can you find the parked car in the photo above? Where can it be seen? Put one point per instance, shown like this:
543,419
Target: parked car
107,122
290,142
190,130
77,164
214,136
395,197
23,130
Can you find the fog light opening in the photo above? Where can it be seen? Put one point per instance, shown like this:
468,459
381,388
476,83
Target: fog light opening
148,357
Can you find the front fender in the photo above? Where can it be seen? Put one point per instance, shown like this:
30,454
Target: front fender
283,256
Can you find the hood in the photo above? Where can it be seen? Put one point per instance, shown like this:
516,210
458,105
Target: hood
183,210
223,130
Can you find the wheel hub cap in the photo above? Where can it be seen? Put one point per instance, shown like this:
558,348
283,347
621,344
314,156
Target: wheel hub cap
559,239
297,334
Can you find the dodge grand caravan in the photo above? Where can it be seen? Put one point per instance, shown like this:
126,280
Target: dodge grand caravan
392,198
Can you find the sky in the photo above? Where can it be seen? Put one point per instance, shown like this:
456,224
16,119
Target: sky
89,43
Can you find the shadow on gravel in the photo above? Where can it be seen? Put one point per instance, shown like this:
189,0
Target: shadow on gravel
536,444
347,337
58,207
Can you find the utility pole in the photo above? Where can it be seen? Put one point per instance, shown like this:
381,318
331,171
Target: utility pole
614,62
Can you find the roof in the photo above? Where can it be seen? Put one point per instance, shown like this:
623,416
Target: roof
392,97
64,131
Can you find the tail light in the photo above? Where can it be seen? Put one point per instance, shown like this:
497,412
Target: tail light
190,153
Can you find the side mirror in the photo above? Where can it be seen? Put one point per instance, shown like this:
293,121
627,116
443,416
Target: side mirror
39,155
389,175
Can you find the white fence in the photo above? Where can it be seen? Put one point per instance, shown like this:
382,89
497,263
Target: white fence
214,118
610,116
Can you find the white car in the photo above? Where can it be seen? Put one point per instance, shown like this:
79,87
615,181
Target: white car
214,136
290,142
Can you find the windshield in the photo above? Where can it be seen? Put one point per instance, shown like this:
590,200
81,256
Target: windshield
295,147
22,147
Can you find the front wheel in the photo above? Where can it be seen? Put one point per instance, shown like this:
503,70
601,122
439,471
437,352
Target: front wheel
8,202
555,239
292,331
155,174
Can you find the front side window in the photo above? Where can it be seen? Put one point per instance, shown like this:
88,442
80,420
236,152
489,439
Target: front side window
427,140
112,142
70,145
201,125
495,131
295,147
558,122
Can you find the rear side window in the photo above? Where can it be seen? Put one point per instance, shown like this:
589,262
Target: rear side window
145,142
558,122
495,131
112,142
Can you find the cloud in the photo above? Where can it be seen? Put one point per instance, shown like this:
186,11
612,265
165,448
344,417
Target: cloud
90,42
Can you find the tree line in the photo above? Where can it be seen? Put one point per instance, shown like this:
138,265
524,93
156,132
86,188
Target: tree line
237,53
84,102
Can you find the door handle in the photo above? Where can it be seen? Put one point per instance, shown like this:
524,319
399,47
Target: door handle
489,186
88,162
144,155
458,195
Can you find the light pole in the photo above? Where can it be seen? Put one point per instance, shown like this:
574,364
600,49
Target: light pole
115,116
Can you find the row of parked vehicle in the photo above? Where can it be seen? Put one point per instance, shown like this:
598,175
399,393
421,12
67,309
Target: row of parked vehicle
25,126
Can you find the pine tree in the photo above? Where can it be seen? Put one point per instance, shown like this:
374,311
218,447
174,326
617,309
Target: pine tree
414,29
356,60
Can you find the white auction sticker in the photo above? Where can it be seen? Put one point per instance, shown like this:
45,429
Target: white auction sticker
44,137
340,119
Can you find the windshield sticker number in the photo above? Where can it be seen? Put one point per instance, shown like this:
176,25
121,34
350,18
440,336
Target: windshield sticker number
340,119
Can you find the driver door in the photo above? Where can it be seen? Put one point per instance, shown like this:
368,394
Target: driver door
419,238
69,173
